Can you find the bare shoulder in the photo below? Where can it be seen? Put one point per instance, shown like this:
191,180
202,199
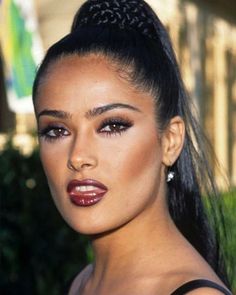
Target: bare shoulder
79,279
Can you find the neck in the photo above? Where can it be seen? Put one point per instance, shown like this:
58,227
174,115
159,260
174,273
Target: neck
133,245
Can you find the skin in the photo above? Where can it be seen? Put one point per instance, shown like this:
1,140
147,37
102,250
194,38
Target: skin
131,227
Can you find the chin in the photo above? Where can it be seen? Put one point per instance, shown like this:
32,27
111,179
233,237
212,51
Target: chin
85,226
92,226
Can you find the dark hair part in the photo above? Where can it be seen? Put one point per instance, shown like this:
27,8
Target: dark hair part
130,34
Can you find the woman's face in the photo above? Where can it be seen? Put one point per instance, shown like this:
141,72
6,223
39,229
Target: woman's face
99,145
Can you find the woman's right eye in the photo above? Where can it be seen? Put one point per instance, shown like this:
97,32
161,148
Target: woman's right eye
53,133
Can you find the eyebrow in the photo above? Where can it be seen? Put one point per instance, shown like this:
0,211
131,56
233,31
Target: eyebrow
55,114
89,114
100,110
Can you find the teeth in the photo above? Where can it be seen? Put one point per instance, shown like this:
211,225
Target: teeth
84,188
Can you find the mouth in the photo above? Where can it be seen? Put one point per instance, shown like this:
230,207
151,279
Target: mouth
87,192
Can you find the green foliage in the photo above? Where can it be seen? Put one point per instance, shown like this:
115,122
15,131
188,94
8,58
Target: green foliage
40,254
230,222
222,215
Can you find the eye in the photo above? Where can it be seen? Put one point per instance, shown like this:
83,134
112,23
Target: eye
53,132
114,126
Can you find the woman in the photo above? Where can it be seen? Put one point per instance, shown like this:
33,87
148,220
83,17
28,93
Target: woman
116,140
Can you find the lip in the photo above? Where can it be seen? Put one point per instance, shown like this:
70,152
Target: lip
86,198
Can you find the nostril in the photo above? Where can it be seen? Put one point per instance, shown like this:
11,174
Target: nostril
70,166
79,164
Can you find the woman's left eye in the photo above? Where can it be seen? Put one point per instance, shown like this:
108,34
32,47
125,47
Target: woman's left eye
114,126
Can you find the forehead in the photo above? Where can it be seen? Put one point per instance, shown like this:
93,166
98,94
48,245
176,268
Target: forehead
91,65
92,77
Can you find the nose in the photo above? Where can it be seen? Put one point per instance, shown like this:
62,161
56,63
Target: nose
81,157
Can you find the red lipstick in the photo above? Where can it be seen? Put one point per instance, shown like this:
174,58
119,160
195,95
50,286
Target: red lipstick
87,192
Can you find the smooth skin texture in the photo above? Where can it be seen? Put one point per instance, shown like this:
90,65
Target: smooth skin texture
94,124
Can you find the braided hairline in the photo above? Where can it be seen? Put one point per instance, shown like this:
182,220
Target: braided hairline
122,14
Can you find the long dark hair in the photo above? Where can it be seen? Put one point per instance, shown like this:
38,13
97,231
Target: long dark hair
130,34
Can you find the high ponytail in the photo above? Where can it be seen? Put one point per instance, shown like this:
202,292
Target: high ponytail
129,33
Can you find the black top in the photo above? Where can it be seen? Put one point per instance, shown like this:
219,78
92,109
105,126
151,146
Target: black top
192,285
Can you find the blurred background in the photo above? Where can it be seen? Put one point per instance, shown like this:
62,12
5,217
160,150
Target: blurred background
39,253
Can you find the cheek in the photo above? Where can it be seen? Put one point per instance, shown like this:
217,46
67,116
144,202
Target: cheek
54,162
142,156
137,160
135,177
48,159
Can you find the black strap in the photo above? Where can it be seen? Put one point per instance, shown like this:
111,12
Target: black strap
192,285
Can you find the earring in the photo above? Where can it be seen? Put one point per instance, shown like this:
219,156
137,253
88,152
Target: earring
170,176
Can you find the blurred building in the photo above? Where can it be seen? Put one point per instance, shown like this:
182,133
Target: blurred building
204,38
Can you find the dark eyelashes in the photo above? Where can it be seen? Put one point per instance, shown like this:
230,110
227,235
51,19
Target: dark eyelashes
108,127
52,132
116,125
44,131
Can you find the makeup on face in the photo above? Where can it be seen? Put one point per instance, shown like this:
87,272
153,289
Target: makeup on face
92,119
87,192
111,125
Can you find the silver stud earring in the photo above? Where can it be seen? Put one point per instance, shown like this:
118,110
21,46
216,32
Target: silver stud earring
170,176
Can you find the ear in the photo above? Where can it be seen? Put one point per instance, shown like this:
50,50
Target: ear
173,140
